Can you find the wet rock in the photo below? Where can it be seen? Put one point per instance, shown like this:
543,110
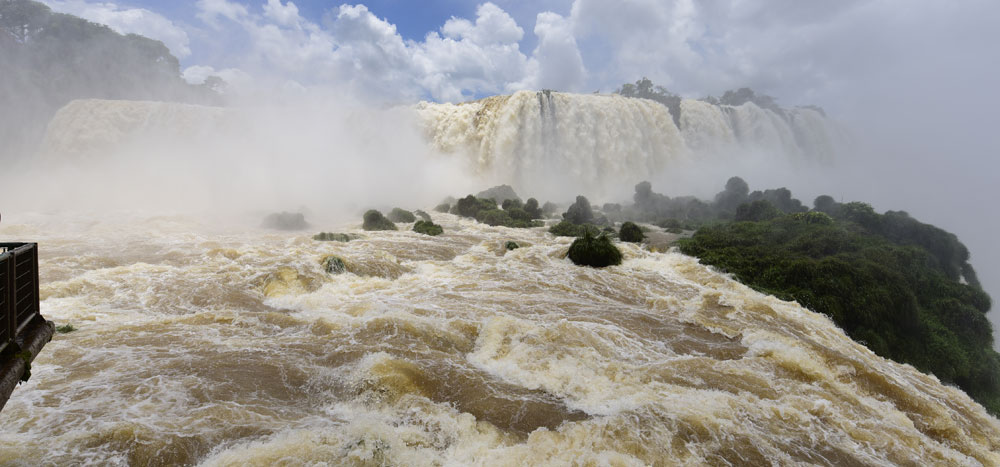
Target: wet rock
428,228
374,220
334,265
401,216
334,237
499,194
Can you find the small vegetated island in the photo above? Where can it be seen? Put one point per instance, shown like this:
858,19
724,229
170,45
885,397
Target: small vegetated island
903,288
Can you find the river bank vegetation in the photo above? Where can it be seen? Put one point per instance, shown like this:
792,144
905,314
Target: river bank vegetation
903,288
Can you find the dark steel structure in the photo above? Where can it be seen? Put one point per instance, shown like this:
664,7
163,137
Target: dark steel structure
18,289
23,331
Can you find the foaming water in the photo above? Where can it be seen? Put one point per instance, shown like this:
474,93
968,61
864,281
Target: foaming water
211,346
593,140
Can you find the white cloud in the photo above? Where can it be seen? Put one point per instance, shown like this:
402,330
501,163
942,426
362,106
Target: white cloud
128,20
356,48
493,25
210,11
284,14
557,61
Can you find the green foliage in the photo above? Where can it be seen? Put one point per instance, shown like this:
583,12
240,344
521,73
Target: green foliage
645,89
443,207
374,220
630,232
733,196
813,217
516,218
334,265
531,207
781,198
883,286
569,229
401,215
471,205
428,228
593,251
825,204
66,328
509,204
579,212
333,237
759,210
741,96
511,245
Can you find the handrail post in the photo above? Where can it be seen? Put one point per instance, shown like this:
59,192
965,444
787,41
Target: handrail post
9,314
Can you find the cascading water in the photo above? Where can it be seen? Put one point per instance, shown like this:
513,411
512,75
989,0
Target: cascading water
91,126
528,138
532,139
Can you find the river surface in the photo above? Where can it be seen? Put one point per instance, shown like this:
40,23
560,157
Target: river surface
206,345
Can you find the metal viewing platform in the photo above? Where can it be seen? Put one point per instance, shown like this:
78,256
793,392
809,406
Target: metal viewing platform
23,331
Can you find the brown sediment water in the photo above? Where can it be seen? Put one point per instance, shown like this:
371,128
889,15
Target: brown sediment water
207,346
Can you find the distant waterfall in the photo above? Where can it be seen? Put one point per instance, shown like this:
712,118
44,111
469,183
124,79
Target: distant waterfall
530,137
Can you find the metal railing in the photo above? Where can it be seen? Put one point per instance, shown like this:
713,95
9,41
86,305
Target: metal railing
18,290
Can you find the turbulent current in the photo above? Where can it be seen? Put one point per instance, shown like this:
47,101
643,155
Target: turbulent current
223,346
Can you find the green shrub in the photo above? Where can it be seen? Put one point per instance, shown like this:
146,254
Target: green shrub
760,210
531,207
66,328
569,229
374,220
630,232
470,206
509,204
401,215
428,228
511,245
333,237
595,252
443,207
892,295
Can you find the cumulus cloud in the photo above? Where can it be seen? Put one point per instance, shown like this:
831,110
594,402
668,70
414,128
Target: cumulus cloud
353,47
556,62
128,20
